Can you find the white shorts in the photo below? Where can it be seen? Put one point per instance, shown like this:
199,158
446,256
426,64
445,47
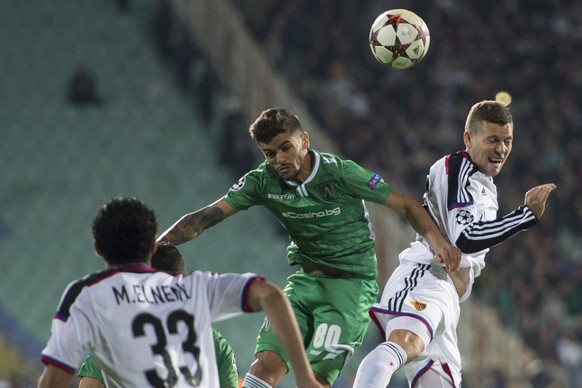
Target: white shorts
426,293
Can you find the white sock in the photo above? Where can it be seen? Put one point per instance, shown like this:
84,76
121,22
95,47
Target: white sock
252,381
377,368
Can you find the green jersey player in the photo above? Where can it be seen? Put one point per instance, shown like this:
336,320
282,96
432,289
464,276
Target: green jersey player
319,198
92,377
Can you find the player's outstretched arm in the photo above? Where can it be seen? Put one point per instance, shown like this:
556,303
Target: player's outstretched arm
53,377
268,297
191,225
480,235
536,198
423,224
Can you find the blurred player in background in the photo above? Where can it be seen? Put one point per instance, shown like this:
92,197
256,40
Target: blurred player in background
319,198
419,309
149,328
168,258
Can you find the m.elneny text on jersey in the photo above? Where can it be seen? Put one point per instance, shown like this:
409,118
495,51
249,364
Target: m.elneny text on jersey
138,293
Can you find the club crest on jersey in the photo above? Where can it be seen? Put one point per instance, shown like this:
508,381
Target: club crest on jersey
239,185
330,191
374,180
464,217
418,305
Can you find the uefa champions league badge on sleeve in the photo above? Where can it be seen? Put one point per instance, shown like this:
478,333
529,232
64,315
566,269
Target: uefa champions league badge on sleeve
239,185
464,217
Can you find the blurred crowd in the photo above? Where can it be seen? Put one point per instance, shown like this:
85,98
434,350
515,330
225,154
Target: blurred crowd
399,122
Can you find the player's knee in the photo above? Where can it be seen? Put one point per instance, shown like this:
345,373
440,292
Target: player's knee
269,367
410,333
322,380
409,341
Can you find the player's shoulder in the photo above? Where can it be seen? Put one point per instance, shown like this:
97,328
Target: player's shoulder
88,280
331,163
458,163
259,174
327,158
458,157
76,287
209,276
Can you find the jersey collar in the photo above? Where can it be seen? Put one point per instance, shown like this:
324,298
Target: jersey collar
134,267
316,163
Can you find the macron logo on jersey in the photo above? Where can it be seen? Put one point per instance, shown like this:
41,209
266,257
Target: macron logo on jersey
374,180
282,197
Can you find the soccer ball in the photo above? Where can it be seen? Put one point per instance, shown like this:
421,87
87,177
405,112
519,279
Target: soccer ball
399,38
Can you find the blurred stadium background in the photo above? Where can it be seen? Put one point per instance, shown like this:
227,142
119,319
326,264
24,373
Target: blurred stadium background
181,80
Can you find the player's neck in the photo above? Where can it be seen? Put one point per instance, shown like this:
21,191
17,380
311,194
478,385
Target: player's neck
305,169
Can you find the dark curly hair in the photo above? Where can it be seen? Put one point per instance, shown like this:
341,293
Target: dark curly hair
168,258
272,122
124,229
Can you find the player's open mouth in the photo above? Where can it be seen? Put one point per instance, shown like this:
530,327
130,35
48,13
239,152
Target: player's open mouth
284,169
495,162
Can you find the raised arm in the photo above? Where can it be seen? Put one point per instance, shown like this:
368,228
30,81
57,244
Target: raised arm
481,235
269,298
191,225
424,225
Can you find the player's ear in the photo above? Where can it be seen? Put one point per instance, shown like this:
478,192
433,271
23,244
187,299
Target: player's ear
305,140
467,139
96,248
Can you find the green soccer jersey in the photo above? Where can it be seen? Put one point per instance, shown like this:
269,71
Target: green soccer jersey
225,360
90,368
325,216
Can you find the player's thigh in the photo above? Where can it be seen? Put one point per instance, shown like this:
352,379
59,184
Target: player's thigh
299,288
338,306
333,315
414,290
338,317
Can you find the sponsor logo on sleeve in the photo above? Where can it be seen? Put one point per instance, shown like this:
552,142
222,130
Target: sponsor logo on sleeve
374,180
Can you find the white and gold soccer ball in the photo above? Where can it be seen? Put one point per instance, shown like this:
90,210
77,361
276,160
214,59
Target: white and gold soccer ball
399,38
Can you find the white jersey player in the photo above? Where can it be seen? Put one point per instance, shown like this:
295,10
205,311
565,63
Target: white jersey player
419,309
151,328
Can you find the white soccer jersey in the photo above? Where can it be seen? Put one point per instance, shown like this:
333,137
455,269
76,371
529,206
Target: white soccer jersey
144,327
463,202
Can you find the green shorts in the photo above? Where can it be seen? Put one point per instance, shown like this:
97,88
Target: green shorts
333,317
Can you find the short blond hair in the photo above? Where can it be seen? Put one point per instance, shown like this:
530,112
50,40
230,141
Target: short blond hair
487,111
